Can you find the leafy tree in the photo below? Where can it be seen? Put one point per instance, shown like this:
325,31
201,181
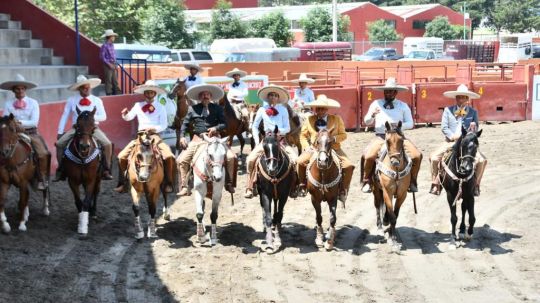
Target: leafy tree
382,31
224,24
317,26
516,16
441,28
165,24
274,26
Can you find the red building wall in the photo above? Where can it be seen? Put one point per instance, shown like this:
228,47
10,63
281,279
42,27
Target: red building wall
361,16
405,27
208,4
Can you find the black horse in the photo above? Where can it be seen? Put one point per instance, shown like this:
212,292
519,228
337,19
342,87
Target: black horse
275,176
458,180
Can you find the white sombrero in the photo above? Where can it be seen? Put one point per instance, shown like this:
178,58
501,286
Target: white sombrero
323,101
193,92
391,84
462,90
195,66
19,80
108,33
82,80
236,71
149,85
303,78
282,93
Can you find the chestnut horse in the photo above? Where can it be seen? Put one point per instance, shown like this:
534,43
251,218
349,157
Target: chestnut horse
146,176
391,180
182,105
18,168
82,166
324,176
235,127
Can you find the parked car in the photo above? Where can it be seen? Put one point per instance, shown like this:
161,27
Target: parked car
379,53
420,54
150,53
536,51
190,56
233,50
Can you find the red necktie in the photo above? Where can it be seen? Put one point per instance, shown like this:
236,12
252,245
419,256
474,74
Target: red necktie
85,102
148,108
19,104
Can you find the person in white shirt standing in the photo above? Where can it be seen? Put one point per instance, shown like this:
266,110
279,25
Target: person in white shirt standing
392,111
302,95
238,91
194,77
26,111
273,113
151,115
83,101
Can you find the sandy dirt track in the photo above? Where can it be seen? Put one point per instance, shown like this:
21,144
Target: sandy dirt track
50,263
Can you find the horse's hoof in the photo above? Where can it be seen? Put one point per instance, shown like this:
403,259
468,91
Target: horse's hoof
82,228
139,235
167,217
201,240
328,246
461,236
6,228
468,237
396,247
22,226
152,235
452,245
46,212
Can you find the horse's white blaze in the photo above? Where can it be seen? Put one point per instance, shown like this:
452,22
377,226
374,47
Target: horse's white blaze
83,223
5,225
322,157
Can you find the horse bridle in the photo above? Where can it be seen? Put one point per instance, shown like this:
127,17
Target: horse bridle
209,163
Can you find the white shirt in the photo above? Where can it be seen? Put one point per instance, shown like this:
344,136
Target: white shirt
72,105
400,112
156,120
190,83
281,120
241,90
305,95
28,116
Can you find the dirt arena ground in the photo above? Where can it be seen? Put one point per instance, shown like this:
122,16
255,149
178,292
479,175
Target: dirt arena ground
50,263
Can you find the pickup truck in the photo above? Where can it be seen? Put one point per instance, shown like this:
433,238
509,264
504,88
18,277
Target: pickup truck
378,54
419,54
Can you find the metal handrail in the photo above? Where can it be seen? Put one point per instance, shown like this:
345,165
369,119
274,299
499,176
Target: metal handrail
127,78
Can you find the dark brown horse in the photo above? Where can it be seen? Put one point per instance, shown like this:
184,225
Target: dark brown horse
324,176
82,166
182,105
235,127
18,168
146,176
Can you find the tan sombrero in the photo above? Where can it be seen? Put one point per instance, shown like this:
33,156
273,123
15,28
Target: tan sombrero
282,93
323,101
149,85
108,33
193,92
82,80
391,84
19,80
462,90
194,65
236,71
303,78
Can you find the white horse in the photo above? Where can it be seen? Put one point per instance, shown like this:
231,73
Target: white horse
209,168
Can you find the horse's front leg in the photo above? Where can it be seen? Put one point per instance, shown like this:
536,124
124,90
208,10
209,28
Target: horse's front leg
152,200
472,219
199,194
278,218
93,206
217,192
266,205
462,224
388,199
24,212
319,238
331,234
136,198
4,187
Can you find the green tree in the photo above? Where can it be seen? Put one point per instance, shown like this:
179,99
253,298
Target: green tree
441,28
273,26
516,16
224,24
380,30
317,26
165,24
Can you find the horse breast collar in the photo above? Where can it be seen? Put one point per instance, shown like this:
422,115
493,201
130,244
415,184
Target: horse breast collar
79,160
389,172
324,186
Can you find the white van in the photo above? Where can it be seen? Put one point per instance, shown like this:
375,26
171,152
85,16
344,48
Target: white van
515,48
416,43
190,56
221,49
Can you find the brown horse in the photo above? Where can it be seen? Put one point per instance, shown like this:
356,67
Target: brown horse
82,166
235,127
391,180
182,105
324,176
18,168
146,176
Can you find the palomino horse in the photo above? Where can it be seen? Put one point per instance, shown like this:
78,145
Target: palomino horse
18,168
275,174
458,180
392,179
146,176
324,176
182,105
209,169
82,166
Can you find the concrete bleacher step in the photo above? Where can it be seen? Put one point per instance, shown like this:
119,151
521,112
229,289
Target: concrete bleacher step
18,56
8,24
43,74
5,17
52,60
12,37
48,93
31,43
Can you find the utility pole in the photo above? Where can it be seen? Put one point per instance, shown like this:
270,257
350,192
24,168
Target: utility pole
464,20
77,41
334,20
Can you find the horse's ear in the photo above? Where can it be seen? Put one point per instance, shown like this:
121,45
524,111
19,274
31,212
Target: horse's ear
276,129
463,131
94,111
388,126
478,133
78,110
399,124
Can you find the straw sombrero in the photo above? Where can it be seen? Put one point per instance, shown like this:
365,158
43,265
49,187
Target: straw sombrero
193,92
323,101
236,71
149,85
462,90
193,65
82,80
283,94
19,80
391,84
108,33
303,78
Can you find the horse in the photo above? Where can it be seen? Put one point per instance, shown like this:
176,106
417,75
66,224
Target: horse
458,181
391,180
18,168
146,175
275,174
235,127
209,169
324,176
82,166
182,105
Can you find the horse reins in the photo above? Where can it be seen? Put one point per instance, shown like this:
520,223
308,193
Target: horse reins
456,178
272,178
206,176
